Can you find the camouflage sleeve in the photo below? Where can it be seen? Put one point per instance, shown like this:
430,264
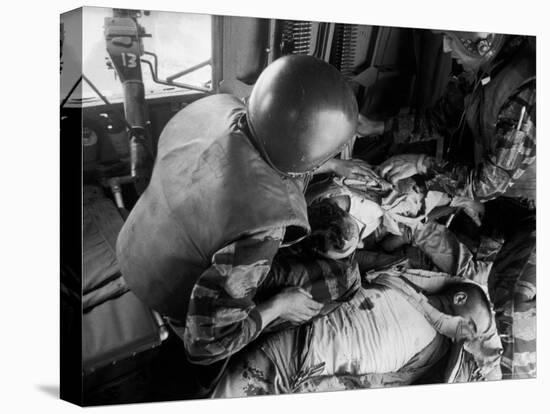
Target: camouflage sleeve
449,254
222,316
514,293
514,150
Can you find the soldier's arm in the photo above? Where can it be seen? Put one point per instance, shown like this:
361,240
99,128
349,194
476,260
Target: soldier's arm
222,316
449,254
514,150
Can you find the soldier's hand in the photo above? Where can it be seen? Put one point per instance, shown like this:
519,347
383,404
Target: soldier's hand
296,305
354,169
402,166
474,209
367,127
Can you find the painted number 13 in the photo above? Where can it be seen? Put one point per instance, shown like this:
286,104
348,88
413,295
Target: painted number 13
129,60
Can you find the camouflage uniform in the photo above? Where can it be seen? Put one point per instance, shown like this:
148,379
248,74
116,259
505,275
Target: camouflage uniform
500,113
513,153
244,273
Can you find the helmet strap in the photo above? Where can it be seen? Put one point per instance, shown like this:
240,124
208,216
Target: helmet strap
247,129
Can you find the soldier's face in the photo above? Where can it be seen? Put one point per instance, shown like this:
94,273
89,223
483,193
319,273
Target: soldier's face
351,244
467,61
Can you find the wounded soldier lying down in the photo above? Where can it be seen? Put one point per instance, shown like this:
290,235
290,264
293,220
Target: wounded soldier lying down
387,334
389,217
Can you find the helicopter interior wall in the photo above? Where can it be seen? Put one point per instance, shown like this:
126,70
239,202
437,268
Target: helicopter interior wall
105,143
385,86
380,60
243,42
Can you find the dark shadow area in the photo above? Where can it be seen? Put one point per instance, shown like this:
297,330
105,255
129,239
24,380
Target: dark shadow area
49,389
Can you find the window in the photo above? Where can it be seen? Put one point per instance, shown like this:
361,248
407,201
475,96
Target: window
180,41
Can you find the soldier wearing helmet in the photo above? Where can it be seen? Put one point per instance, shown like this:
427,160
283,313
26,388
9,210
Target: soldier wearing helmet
500,118
499,114
226,192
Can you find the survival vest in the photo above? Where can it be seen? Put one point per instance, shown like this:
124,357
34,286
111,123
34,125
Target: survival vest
485,104
209,187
